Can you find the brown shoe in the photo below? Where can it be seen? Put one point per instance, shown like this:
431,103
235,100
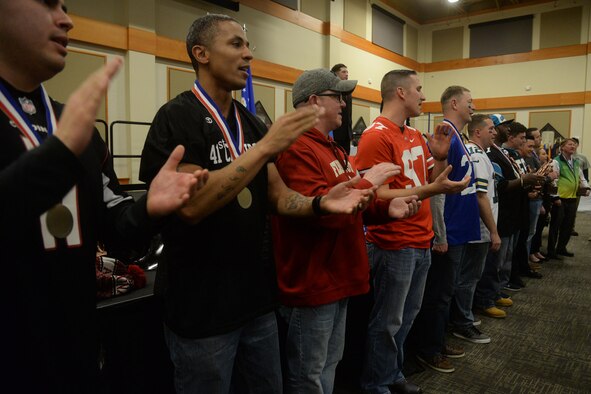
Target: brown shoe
437,362
535,266
504,302
453,351
495,312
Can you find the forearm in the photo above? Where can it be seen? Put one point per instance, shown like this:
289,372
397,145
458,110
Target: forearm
486,212
424,191
224,184
438,168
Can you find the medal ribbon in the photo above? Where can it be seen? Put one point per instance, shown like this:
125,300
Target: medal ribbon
9,106
235,143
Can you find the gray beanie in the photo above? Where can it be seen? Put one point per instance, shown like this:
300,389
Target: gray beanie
317,81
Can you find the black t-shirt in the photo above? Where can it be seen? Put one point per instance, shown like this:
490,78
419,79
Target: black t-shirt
217,274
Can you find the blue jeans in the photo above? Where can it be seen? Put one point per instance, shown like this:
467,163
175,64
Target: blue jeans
432,321
489,287
534,214
398,282
208,365
314,346
467,276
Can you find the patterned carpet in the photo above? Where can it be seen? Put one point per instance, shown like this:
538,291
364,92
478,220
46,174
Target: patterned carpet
544,344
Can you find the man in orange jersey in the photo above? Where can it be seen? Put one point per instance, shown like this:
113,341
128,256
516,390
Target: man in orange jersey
399,253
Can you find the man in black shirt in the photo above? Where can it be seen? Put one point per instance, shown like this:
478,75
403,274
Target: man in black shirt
343,134
59,197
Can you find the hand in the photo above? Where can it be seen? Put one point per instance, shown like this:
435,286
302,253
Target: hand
439,248
288,128
495,242
378,174
532,179
171,189
444,185
76,125
343,198
403,207
542,210
553,175
533,195
440,141
557,202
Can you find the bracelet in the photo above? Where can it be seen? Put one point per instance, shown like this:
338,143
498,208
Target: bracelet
316,206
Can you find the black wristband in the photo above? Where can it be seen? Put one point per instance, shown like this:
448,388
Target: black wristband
316,206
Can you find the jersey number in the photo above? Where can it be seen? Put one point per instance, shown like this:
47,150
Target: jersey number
409,158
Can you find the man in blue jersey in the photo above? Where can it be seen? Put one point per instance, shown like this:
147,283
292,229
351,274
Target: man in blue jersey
455,223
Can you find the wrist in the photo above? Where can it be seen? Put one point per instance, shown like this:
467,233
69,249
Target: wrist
317,206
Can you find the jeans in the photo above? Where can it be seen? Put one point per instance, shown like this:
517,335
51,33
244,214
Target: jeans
209,365
431,323
399,282
489,287
534,214
314,346
467,276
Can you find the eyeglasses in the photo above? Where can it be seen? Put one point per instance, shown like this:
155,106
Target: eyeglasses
338,96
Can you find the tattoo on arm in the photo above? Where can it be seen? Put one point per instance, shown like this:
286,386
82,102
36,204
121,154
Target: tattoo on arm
295,202
227,188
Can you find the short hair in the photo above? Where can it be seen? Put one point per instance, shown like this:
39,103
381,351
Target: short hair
529,137
202,32
516,128
564,141
392,80
337,67
476,122
451,92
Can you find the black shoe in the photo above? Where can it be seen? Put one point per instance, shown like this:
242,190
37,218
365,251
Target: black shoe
553,256
534,274
565,252
574,234
504,295
512,287
405,387
518,281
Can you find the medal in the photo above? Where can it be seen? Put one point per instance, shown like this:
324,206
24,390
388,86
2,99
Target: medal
244,198
59,221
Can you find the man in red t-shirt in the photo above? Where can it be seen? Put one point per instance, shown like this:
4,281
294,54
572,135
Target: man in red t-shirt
399,253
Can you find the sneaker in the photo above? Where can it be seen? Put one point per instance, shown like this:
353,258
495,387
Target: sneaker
495,312
452,351
504,295
512,287
472,334
504,302
437,362
476,322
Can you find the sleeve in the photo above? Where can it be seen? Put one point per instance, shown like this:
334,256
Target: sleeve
309,180
437,210
583,181
158,146
373,149
37,180
481,172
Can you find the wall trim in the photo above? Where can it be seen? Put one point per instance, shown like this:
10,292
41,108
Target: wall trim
129,38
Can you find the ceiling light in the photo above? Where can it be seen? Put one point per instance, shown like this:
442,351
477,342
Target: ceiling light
452,1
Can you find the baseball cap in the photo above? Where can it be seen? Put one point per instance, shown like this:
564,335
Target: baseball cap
317,81
499,119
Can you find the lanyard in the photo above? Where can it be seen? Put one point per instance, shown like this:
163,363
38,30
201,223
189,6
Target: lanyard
9,106
235,143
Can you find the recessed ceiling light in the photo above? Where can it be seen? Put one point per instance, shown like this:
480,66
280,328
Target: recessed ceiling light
452,1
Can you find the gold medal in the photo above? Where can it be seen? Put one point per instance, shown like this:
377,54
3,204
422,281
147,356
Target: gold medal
59,221
244,198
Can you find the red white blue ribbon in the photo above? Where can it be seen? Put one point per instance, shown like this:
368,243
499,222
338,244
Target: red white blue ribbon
13,110
234,143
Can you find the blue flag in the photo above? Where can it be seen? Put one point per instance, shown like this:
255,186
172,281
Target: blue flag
248,95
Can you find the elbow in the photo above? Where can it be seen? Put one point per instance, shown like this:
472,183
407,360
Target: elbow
189,216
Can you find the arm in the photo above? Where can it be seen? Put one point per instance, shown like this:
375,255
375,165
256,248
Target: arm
341,199
487,218
437,208
224,184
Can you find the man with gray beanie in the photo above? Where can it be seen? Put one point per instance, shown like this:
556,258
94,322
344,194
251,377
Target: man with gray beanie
330,264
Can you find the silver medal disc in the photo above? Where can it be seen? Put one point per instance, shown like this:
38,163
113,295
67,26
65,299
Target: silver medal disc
59,221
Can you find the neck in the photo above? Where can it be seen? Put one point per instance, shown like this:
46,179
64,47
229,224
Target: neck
220,96
567,156
453,118
394,114
17,79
